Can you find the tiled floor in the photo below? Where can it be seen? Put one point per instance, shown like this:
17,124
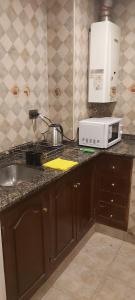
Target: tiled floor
104,269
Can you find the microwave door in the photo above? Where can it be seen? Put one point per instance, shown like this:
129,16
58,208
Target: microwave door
113,132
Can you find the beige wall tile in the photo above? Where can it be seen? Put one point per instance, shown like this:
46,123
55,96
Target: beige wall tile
84,16
23,53
60,63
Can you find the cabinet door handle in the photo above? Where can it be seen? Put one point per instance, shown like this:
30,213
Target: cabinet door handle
78,183
45,210
113,184
113,167
112,200
111,216
75,186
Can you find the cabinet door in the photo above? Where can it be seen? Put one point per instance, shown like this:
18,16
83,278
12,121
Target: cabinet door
62,219
24,253
84,190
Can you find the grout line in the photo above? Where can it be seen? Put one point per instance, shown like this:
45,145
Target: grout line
122,280
101,283
69,260
106,274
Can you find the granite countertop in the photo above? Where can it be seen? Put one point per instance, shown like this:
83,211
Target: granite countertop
12,195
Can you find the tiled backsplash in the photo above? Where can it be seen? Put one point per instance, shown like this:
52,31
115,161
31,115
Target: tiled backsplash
60,62
68,29
124,16
84,16
23,63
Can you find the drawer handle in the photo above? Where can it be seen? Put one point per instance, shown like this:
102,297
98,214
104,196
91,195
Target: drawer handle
75,186
112,200
113,167
111,216
113,184
45,210
78,183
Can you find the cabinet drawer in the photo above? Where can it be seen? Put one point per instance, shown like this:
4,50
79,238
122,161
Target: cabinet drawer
114,184
112,215
117,165
113,198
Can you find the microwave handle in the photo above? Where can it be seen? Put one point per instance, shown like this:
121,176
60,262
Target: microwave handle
121,129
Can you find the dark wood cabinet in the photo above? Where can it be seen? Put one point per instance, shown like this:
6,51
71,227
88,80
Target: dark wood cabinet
39,232
83,189
112,190
62,219
112,215
24,248
71,211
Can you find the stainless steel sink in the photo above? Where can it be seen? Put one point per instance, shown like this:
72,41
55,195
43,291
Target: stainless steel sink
14,174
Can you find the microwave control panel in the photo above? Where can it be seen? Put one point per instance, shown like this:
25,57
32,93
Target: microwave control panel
90,142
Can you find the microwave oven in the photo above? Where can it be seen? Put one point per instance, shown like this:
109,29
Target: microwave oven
100,132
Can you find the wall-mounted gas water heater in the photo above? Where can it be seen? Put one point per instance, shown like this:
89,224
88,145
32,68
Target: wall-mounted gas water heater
104,61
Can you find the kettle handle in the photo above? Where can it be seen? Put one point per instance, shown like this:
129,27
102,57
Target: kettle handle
61,128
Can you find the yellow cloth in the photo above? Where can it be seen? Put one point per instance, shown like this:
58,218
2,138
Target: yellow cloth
60,164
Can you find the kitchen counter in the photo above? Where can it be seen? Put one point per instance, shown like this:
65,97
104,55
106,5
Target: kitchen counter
12,195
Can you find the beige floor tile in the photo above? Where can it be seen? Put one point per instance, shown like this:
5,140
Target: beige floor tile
85,275
102,240
127,249
98,252
95,259
54,294
79,281
115,289
124,268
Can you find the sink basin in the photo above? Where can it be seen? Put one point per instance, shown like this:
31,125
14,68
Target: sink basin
14,174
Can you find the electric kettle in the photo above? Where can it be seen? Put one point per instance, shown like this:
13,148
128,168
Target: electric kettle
55,135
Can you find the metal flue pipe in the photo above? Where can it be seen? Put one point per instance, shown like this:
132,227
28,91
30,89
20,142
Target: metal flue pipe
105,9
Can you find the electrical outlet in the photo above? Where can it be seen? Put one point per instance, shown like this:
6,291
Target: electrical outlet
33,114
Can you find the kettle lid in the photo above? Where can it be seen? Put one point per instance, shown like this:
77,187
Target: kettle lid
54,125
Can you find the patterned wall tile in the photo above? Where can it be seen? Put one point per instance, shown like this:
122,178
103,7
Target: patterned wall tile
60,62
68,27
23,62
84,16
124,15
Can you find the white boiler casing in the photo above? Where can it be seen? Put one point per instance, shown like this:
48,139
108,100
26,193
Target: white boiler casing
104,61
